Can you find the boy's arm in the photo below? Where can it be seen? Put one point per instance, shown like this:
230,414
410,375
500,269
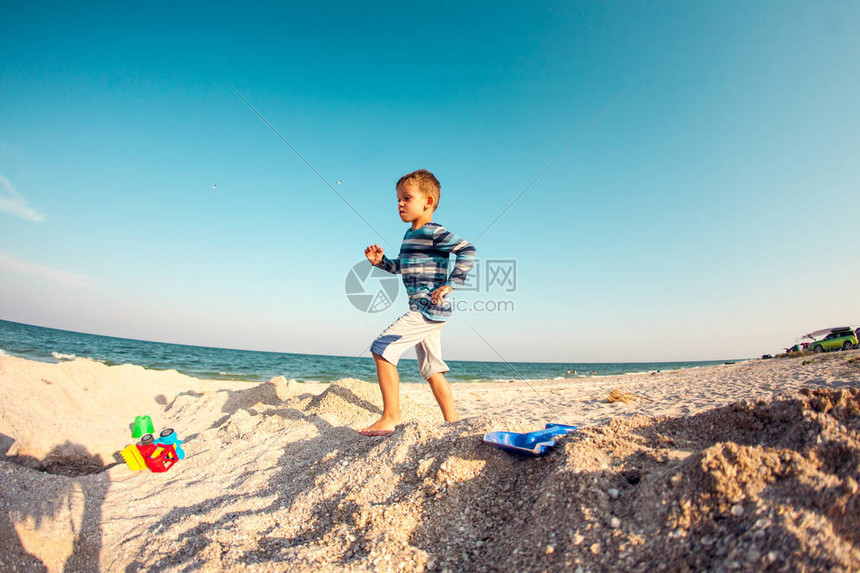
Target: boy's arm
390,265
448,242
377,258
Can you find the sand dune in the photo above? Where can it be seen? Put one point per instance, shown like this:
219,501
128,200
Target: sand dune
751,466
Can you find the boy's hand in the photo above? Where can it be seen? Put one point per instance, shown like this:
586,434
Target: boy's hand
436,295
374,254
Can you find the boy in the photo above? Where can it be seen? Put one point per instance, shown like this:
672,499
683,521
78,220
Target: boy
423,262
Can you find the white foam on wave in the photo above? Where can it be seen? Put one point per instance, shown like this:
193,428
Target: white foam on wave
3,352
61,356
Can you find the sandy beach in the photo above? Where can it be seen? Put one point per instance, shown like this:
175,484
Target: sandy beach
752,466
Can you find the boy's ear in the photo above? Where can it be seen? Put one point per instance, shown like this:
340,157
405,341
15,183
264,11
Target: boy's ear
430,201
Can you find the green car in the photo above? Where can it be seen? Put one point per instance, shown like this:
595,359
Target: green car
838,339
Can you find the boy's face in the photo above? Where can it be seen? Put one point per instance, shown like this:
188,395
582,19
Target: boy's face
411,203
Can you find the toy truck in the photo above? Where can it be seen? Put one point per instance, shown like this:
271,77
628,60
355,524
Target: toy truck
158,455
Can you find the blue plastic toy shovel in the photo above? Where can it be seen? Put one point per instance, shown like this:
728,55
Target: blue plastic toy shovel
531,444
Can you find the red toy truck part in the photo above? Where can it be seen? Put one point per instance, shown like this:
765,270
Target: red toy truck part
158,457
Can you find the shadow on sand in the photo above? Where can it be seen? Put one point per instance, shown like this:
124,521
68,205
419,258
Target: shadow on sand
438,498
70,485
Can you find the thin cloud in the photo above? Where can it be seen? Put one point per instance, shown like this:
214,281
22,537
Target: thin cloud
10,264
13,203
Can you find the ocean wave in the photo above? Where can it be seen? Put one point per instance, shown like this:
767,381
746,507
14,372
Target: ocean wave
3,352
61,356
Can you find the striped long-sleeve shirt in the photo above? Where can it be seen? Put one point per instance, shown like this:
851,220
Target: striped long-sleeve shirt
423,262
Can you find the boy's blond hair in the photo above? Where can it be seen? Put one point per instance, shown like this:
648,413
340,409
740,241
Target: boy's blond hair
426,183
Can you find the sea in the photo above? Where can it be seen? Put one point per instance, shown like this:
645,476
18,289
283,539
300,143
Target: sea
52,345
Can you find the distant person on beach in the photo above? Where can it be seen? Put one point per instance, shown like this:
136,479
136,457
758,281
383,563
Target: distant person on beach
423,262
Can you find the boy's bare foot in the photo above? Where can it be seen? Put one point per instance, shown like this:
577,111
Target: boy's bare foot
381,427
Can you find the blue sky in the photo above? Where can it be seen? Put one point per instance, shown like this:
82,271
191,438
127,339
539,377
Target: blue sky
710,213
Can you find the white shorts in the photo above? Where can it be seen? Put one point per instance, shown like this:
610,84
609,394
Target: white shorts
413,329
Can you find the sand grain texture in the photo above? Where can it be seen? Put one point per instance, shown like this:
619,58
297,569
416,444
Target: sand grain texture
751,467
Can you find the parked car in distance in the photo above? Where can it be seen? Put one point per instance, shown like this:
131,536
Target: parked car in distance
838,339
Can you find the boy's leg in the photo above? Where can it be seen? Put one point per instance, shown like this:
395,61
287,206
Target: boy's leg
442,393
433,368
386,351
389,384
411,329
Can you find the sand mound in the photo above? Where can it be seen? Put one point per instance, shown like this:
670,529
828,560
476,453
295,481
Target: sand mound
288,484
72,417
750,486
351,401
